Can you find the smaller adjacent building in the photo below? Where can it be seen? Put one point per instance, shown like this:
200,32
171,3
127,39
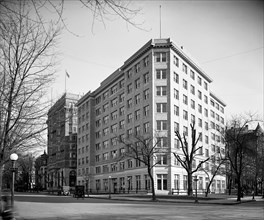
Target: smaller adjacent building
252,155
62,143
41,172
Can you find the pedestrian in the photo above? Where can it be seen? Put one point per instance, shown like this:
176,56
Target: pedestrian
6,209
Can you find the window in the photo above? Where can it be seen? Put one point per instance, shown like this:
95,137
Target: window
113,89
129,132
161,107
137,67
114,102
146,78
212,114
122,124
185,130
105,131
146,94
129,103
205,86
162,182
176,77
129,88
97,158
185,184
162,142
199,94
176,110
205,99
206,140
105,107
200,122
160,57
200,108
162,159
121,97
184,68
146,110
129,118
114,128
122,111
161,90
114,115
185,100
105,95
176,94
129,73
192,104
192,74
199,80
146,127
192,89
176,126
184,84
206,112
176,61
98,123
106,156
161,125
137,99
176,181
192,119
137,114
212,102
176,143
98,111
212,125
138,179
137,83
129,163
185,115
161,74
106,119
146,61
206,125
121,83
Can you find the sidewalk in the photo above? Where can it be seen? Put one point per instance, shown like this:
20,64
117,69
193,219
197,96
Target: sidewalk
175,199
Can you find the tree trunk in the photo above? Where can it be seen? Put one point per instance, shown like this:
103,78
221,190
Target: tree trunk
1,180
239,189
190,190
152,185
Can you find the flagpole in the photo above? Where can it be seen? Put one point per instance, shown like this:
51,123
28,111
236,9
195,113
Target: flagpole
65,82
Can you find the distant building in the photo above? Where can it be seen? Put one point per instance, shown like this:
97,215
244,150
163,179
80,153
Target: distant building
41,176
158,89
62,143
252,142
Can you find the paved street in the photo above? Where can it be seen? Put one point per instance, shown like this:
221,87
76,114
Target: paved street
55,207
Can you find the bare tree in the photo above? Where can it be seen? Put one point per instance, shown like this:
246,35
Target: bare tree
148,150
239,150
216,167
27,59
190,153
101,11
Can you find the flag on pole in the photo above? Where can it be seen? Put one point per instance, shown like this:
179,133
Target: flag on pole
67,74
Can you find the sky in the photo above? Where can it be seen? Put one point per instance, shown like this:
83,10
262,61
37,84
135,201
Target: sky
225,38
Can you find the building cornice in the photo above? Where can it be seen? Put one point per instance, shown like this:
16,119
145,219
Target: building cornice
217,99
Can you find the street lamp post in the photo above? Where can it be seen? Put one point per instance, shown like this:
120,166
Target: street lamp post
109,182
196,199
13,158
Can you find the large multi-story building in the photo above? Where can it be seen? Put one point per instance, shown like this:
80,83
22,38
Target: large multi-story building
62,143
158,89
